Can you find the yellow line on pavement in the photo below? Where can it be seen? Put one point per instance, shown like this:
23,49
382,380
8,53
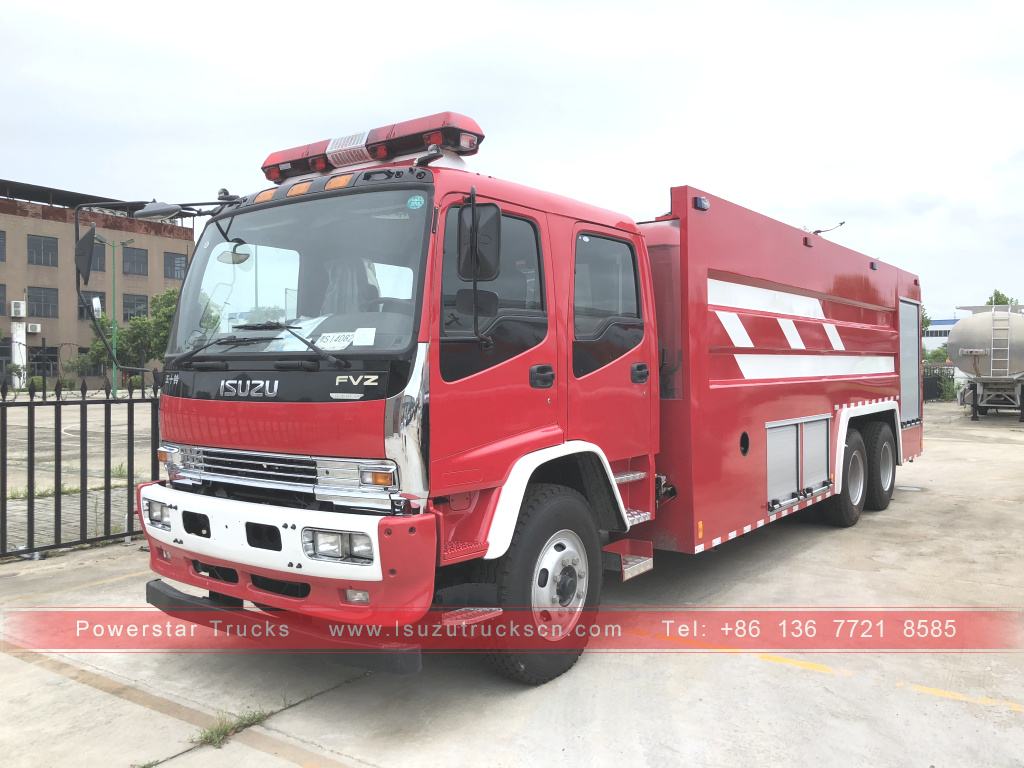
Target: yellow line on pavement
943,694
803,664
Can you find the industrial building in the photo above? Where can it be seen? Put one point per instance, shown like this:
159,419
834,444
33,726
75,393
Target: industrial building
37,272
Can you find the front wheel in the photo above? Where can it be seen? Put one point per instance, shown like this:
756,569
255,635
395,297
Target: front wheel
553,568
843,509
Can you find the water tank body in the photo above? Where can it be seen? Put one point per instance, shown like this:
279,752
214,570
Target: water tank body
970,344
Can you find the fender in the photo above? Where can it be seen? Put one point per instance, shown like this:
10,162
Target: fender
510,499
845,414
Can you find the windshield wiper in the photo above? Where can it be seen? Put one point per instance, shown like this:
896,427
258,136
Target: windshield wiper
327,357
232,340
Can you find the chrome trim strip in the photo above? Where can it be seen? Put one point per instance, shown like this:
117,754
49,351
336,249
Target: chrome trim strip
405,428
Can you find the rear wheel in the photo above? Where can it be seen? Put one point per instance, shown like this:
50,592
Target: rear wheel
844,508
881,454
553,568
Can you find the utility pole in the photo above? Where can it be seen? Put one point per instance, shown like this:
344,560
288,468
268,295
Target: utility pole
113,288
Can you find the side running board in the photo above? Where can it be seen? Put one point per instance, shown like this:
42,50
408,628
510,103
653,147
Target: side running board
629,557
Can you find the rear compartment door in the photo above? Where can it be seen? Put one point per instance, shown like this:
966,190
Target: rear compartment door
612,377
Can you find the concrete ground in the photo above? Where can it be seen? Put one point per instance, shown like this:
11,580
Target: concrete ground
951,537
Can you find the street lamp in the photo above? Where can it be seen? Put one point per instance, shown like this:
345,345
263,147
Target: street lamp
113,301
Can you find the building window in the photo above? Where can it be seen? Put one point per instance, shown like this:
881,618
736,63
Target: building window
99,257
43,362
3,246
3,302
135,306
174,266
42,251
42,302
95,369
89,296
135,261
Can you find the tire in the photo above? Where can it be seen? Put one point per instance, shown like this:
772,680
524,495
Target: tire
843,510
983,410
881,454
553,520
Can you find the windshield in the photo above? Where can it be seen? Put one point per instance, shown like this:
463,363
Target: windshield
342,272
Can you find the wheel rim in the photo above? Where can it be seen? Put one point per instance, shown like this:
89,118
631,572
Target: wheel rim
885,466
560,578
855,479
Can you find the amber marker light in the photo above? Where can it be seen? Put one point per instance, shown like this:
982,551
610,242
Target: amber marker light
337,182
299,189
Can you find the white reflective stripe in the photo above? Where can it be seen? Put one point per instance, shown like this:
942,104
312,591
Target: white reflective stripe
736,296
833,336
810,366
792,334
734,327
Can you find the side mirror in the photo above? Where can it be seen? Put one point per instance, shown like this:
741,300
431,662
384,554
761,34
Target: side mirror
83,253
488,242
97,307
486,302
158,212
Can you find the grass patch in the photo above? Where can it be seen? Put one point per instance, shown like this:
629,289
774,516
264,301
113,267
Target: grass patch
226,727
119,471
150,764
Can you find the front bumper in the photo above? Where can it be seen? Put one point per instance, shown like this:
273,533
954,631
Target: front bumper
399,659
400,581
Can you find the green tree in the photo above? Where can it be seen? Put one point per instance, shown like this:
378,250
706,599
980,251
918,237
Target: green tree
998,298
937,356
925,319
161,315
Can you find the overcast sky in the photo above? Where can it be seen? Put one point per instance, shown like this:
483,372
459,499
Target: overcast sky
904,119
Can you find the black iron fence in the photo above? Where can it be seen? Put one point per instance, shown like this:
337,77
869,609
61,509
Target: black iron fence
71,463
938,382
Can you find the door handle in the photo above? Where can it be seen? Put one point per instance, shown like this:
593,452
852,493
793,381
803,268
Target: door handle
542,376
639,373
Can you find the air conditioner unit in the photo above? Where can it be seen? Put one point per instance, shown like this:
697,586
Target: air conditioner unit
17,309
34,328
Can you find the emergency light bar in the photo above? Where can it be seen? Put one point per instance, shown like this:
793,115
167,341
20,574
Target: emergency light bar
448,130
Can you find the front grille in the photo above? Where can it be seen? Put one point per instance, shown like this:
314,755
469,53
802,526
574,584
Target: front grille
242,466
324,478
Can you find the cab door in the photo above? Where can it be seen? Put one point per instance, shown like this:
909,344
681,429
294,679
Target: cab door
612,376
492,402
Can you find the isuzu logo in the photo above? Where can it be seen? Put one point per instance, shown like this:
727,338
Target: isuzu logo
248,388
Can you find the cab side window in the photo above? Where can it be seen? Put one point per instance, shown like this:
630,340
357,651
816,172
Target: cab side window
521,321
608,321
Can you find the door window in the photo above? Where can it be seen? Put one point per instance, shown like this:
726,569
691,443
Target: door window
606,303
521,322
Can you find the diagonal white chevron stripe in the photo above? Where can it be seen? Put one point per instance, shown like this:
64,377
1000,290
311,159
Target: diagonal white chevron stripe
734,327
833,336
792,334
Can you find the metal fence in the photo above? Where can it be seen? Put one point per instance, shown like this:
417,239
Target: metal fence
933,377
71,462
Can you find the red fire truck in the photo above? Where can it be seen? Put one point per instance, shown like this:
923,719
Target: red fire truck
394,384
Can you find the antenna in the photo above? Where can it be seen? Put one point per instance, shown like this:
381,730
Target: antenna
820,231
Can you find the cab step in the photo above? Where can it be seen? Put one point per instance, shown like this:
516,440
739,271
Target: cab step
629,477
629,557
457,551
636,516
463,617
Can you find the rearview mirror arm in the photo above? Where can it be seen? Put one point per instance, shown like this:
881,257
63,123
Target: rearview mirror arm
486,342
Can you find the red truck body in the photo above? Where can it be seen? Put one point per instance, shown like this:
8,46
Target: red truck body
708,369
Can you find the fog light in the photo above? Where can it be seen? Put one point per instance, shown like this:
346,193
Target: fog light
357,596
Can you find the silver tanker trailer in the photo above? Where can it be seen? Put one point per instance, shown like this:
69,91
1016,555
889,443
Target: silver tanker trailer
988,346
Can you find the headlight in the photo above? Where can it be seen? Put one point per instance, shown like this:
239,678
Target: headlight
337,546
158,515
